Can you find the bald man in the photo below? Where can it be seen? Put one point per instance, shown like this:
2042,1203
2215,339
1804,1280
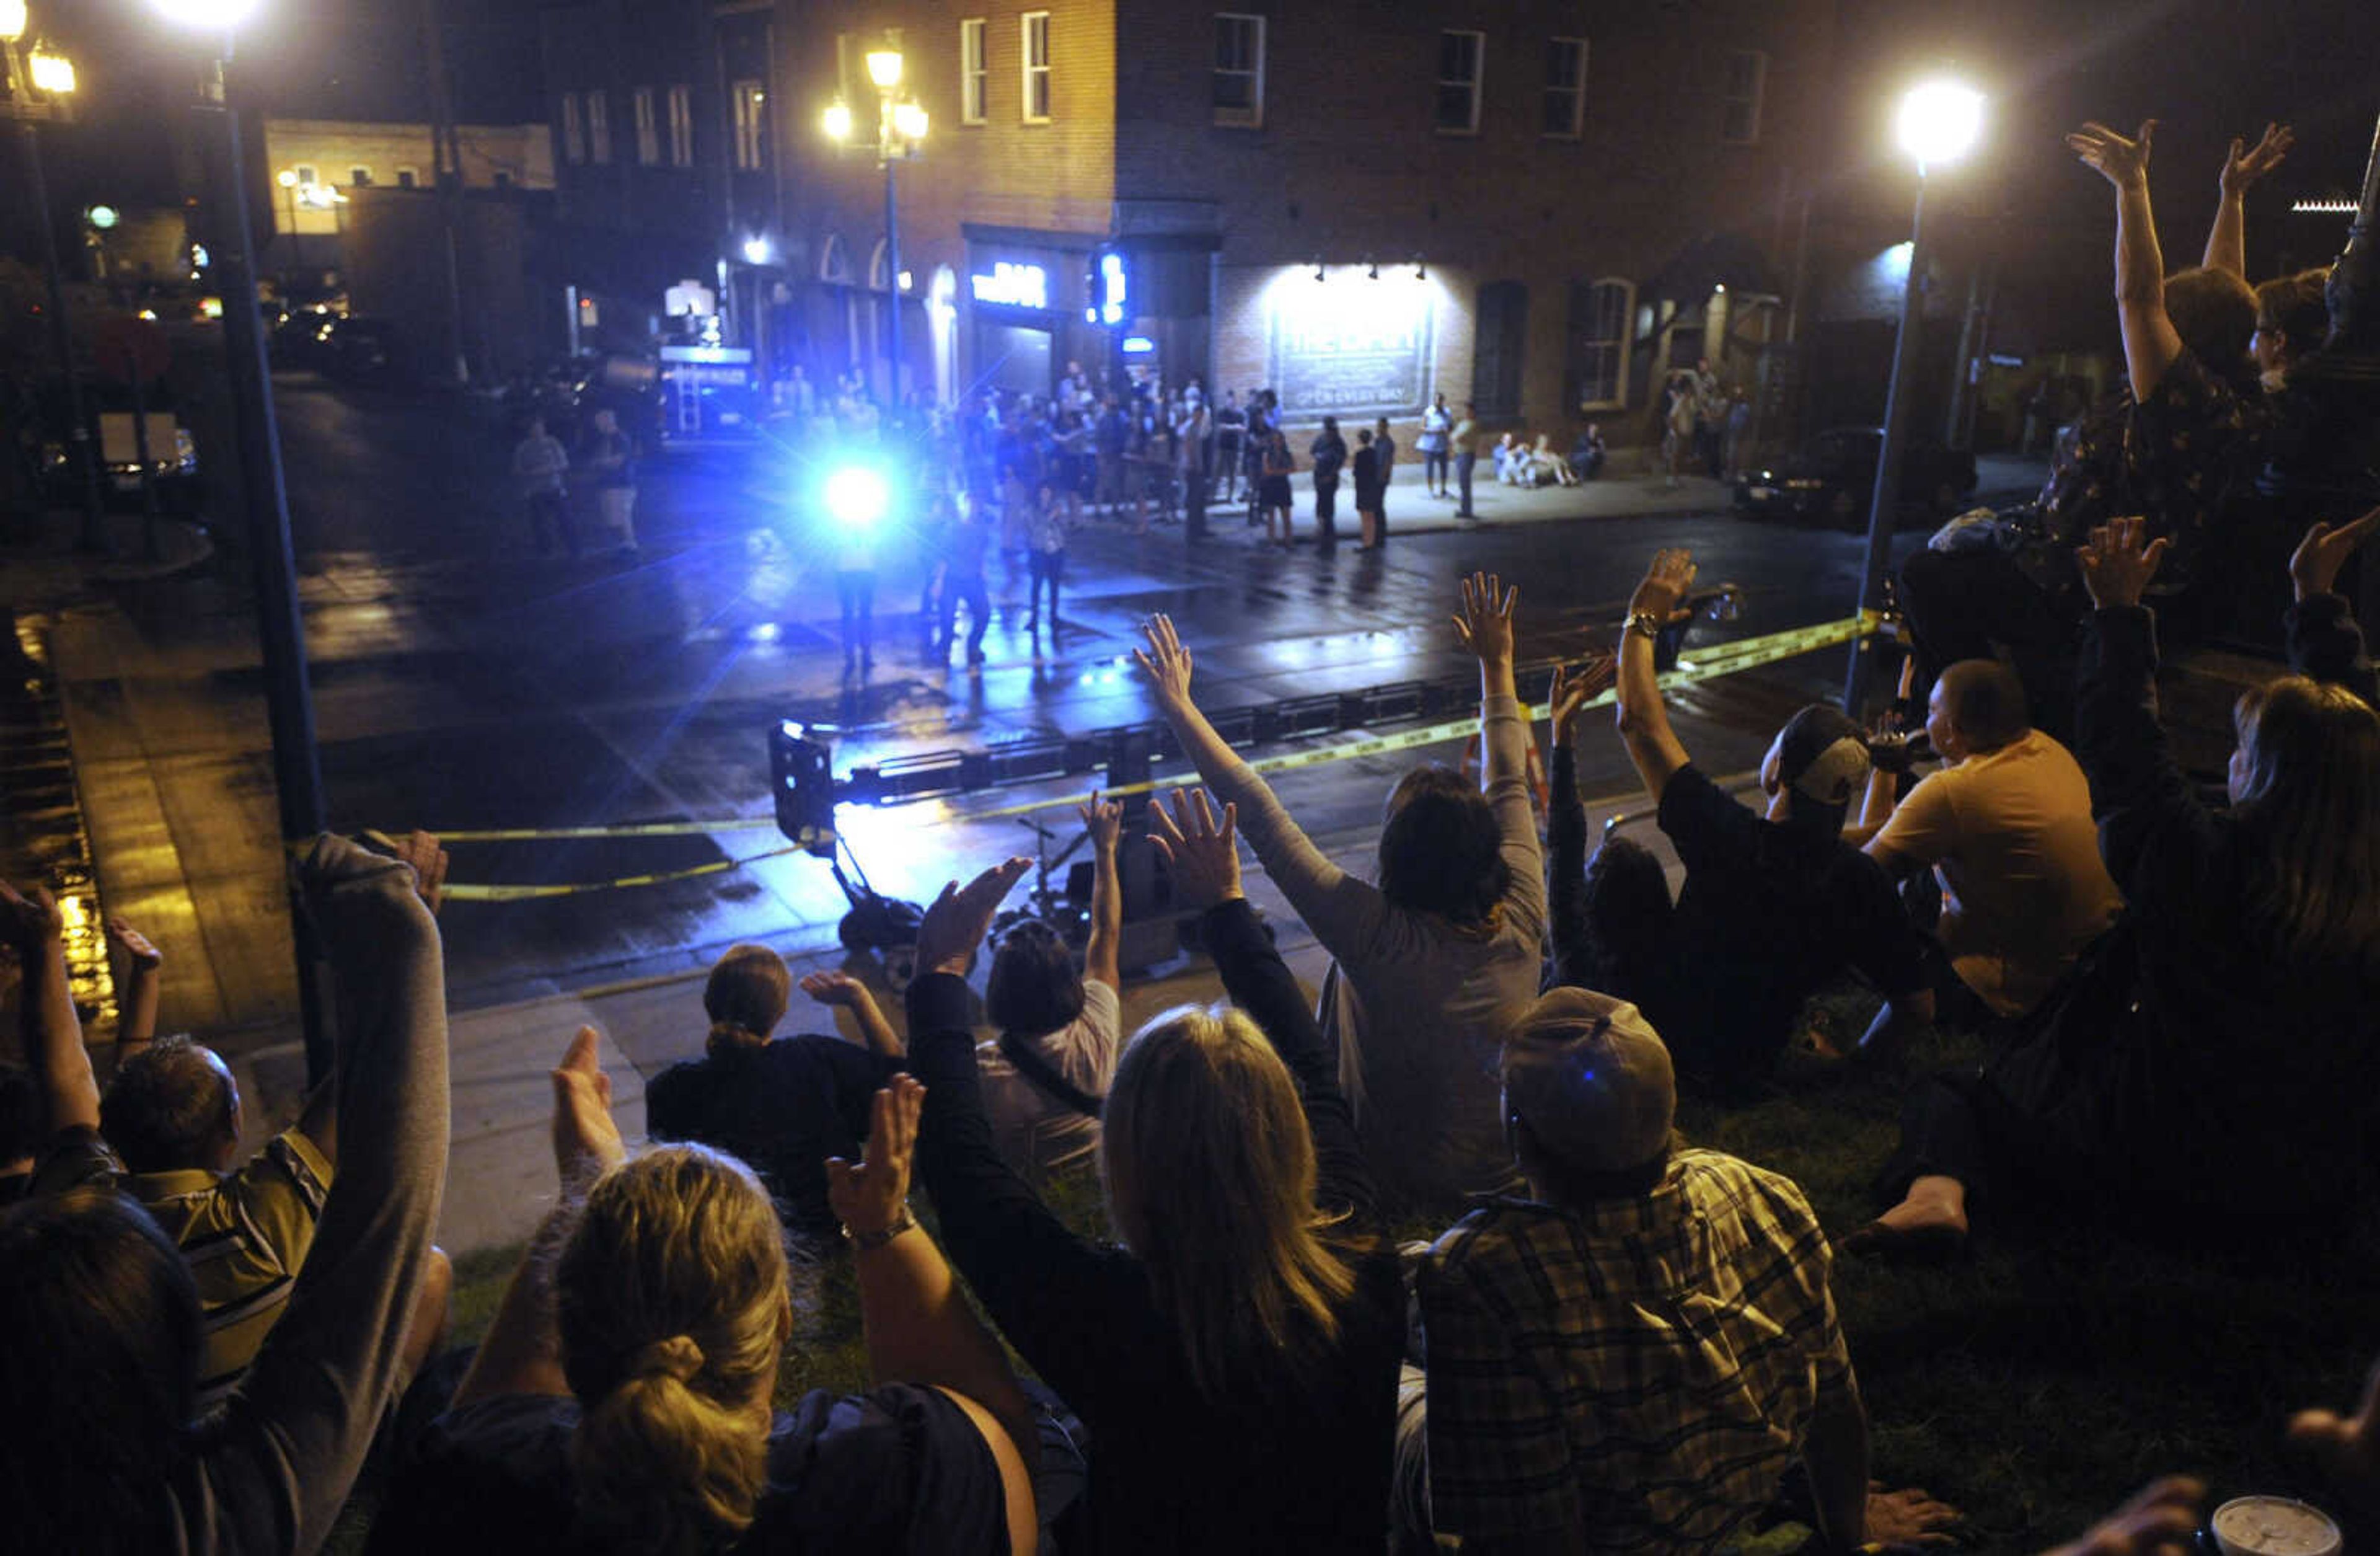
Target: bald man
2006,827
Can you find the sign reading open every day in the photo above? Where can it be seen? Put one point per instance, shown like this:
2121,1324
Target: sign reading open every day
1359,350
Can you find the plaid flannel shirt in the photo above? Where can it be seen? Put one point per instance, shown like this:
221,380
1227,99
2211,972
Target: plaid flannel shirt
1641,1374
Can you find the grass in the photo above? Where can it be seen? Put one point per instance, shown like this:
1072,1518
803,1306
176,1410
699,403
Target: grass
2033,1385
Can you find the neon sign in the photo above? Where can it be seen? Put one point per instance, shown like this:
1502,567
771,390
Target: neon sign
1011,285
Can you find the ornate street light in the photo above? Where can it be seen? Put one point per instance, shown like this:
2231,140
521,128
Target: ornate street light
901,126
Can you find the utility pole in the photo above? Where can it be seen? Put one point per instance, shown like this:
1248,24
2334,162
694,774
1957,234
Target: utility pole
446,156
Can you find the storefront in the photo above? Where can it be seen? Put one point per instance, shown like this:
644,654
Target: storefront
1023,302
1350,341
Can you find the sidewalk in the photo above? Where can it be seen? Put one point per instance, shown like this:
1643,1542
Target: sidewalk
1413,511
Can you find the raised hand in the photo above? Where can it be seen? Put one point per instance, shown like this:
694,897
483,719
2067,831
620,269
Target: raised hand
2116,566
2122,163
2314,566
1204,852
2347,1447
1165,660
586,1140
1666,582
836,988
139,952
1574,689
869,1198
957,921
1104,820
1485,622
29,921
2246,166
2161,1520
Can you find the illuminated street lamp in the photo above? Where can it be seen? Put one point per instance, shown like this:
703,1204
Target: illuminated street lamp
901,124
52,73
1939,122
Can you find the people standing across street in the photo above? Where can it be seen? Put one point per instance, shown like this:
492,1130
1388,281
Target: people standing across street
1464,440
1736,436
1328,452
1273,494
539,467
1231,437
966,536
1386,446
611,462
1435,426
1710,418
855,591
1367,487
1108,438
1046,532
1262,419
1190,439
1677,425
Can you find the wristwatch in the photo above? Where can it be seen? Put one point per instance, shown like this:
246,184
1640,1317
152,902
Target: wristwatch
869,1242
1647,623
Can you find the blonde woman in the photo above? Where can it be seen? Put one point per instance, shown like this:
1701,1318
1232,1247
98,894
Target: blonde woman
622,1400
1235,1359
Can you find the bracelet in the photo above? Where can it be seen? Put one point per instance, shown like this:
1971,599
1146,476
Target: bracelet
869,1242
1647,624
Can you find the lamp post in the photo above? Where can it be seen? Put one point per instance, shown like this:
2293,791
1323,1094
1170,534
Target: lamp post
1939,121
900,132
39,81
288,698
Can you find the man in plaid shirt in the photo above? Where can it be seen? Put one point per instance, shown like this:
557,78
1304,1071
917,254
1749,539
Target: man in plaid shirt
1632,1357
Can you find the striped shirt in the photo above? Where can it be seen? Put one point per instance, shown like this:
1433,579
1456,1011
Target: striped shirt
245,1234
1639,1374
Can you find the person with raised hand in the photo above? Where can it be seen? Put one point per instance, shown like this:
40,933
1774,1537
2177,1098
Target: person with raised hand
1235,1359
2244,167
115,1463
622,1398
1432,963
2324,640
1574,960
137,991
2233,1002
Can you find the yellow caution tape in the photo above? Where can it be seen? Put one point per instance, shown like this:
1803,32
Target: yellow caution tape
520,894
626,829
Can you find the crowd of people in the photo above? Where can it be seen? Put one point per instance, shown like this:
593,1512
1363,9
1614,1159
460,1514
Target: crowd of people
1614,1339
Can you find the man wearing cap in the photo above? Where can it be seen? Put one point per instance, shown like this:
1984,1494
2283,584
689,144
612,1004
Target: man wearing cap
1632,1356
1773,905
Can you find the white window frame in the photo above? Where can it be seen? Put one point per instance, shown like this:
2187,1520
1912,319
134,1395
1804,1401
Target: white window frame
1620,344
680,126
750,100
1251,116
1755,105
1477,82
1027,71
573,131
975,70
599,127
649,129
1576,92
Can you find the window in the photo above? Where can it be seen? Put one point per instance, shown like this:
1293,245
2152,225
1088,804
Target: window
573,134
306,173
408,177
1036,28
751,125
1747,76
598,126
1565,102
1239,69
681,120
1599,344
1458,81
1503,328
974,75
649,129
360,177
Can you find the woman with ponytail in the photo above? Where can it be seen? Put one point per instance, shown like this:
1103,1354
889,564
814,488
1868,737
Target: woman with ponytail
622,1401
1236,1360
783,1106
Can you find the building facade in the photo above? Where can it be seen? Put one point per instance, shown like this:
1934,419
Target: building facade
317,165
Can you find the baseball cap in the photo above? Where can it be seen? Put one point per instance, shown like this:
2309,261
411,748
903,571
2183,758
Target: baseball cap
1592,1080
1821,753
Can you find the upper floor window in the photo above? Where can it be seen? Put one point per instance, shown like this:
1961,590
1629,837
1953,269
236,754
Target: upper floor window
680,126
360,177
1036,32
574,133
408,177
1459,69
598,126
306,173
975,72
649,129
1599,344
751,125
1239,69
1747,80
1565,101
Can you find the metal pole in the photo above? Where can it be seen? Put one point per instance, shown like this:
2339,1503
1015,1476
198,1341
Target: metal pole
1886,505
447,155
82,445
288,701
892,274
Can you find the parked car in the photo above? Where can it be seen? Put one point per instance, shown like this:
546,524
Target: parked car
1833,477
366,350
173,454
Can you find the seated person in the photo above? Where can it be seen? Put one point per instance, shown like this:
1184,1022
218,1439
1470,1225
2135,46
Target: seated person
1510,457
784,1106
114,1460
1773,906
621,1400
1547,465
1631,1354
1586,456
2006,828
2237,1000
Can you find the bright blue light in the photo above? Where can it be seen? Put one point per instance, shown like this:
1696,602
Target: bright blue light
1138,345
1112,289
857,497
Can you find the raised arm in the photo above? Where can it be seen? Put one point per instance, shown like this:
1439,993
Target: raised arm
1653,746
1566,822
841,989
2324,639
52,1034
2151,343
1485,624
2226,246
137,993
1105,822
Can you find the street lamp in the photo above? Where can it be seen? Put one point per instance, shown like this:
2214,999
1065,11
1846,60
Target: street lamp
901,125
1939,122
39,82
288,698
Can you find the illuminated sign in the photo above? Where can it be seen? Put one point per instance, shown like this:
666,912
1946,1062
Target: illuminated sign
1112,289
1350,349
1012,287
1138,345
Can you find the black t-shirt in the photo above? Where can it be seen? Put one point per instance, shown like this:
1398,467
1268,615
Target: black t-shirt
897,1470
785,1107
1768,915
